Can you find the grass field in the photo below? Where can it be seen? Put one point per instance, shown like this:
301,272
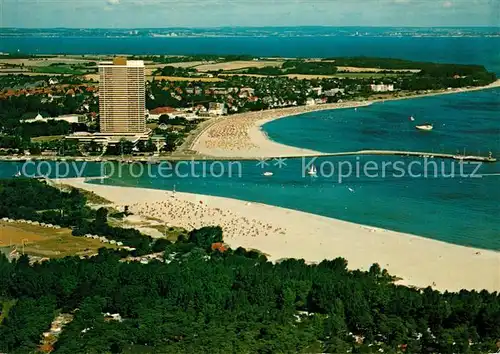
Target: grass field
45,242
57,70
172,233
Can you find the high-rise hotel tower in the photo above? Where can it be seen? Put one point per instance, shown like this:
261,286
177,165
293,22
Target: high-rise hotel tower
122,97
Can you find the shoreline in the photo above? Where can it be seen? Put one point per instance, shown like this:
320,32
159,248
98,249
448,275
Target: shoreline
217,139
256,144
285,233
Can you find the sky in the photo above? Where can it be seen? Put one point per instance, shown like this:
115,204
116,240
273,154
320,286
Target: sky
219,13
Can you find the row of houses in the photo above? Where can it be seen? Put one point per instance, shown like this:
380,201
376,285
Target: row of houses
30,222
104,240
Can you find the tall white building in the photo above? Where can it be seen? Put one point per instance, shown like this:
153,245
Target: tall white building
122,98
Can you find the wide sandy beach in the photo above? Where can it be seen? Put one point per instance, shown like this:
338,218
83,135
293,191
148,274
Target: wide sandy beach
284,233
241,136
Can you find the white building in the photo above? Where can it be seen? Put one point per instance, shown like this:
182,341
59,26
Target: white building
334,91
217,109
310,101
381,87
70,118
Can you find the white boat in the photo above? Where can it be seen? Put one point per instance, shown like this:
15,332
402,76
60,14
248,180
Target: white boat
426,127
412,118
268,173
18,174
312,171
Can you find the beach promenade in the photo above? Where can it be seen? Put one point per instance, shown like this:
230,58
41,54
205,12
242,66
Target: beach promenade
284,233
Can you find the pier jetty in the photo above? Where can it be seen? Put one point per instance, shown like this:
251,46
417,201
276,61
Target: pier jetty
403,153
158,159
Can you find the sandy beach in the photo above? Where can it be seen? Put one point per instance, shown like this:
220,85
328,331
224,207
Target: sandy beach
284,233
240,135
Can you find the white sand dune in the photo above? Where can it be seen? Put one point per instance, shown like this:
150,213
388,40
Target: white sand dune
284,233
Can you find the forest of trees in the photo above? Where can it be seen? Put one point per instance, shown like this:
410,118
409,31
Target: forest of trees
176,71
431,75
207,301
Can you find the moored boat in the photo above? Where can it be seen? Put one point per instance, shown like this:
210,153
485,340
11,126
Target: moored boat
426,126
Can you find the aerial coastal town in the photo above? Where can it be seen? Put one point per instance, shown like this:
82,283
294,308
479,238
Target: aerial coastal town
88,267
54,105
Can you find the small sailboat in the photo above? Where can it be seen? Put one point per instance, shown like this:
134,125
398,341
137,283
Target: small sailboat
425,127
312,171
268,173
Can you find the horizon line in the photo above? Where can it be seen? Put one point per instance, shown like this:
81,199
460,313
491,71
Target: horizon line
258,26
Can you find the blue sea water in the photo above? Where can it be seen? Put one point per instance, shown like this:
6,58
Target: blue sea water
459,210
464,121
470,50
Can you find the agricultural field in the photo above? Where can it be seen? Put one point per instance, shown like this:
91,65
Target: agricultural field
44,61
343,75
178,78
59,69
187,64
353,69
240,64
47,242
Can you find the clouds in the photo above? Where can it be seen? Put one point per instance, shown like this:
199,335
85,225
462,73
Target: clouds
219,13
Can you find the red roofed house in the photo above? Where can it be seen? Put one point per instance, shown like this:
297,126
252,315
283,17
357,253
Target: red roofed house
157,112
219,246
